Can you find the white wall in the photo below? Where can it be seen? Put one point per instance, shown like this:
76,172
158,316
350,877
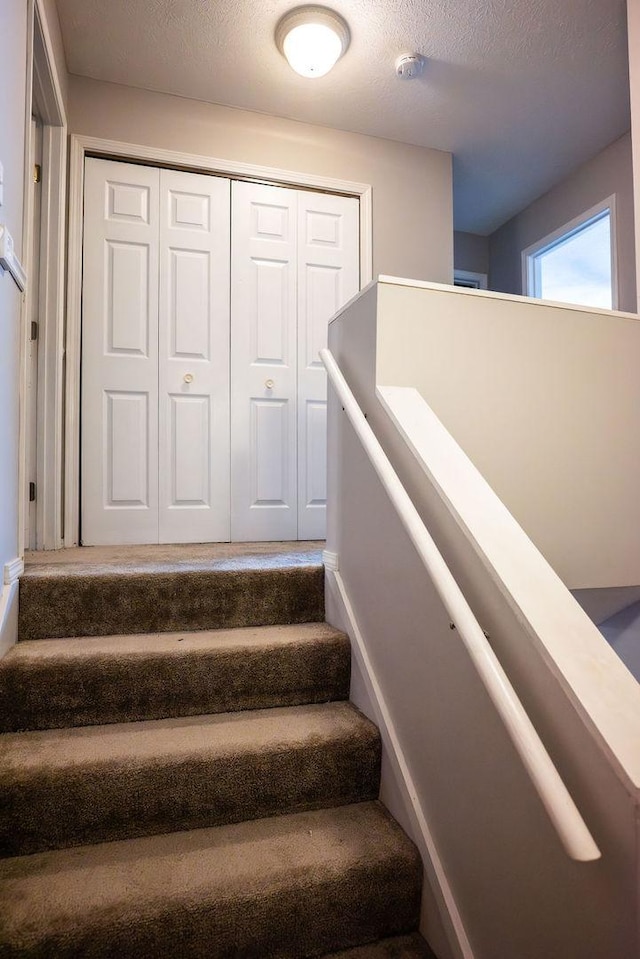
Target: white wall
412,201
633,18
610,172
517,893
13,56
545,401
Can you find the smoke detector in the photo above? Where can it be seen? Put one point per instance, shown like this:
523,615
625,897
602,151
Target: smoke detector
410,66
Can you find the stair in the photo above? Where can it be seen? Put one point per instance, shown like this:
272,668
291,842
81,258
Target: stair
114,679
212,794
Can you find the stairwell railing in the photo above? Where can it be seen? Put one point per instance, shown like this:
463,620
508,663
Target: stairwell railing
556,799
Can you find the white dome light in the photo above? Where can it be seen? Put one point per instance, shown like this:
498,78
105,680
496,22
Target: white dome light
312,39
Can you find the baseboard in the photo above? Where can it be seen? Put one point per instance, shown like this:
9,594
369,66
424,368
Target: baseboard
330,560
13,570
8,616
403,787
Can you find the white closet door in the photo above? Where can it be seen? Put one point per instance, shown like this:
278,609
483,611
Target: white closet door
120,354
263,363
194,358
328,276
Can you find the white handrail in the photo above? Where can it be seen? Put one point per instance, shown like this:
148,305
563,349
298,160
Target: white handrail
561,809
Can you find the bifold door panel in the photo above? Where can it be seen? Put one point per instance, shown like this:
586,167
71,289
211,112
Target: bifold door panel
264,468
294,263
119,440
155,347
205,303
194,358
328,276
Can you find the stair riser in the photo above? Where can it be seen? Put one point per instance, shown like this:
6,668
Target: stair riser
72,806
82,693
301,919
99,605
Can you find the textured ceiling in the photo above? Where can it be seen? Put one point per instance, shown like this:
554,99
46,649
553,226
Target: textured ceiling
520,91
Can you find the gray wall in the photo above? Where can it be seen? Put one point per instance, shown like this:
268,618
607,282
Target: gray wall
412,195
470,252
607,173
13,46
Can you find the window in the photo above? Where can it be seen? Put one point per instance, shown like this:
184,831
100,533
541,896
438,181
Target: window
472,281
575,264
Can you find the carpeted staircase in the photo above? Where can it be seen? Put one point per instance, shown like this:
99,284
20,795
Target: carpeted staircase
198,786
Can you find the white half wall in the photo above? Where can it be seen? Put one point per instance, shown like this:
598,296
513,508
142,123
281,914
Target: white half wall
545,400
516,891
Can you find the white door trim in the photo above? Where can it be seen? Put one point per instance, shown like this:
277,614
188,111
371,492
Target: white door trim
114,149
46,88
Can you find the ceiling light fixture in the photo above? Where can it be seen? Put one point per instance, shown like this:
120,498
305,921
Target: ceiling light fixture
312,39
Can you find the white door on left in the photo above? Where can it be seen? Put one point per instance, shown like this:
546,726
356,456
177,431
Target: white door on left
119,443
155,436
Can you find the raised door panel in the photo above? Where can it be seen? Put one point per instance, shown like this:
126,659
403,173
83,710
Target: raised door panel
194,357
328,276
119,495
127,481
263,363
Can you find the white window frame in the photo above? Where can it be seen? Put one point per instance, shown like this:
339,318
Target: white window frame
564,232
479,280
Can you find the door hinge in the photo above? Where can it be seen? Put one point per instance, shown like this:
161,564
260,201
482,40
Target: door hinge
32,492
37,173
34,330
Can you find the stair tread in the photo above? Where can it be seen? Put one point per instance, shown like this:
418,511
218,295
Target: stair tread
214,876
93,680
95,603
161,740
178,642
92,784
397,947
174,557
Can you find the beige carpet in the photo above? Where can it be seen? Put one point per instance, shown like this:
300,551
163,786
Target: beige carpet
181,774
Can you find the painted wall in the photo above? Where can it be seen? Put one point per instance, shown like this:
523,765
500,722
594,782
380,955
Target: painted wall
469,784
607,173
50,12
633,17
13,53
545,401
412,199
470,252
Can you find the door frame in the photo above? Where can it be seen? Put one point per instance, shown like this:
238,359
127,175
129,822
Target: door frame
81,146
43,88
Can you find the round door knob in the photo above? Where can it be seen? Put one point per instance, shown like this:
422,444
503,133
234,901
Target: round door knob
188,377
269,384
